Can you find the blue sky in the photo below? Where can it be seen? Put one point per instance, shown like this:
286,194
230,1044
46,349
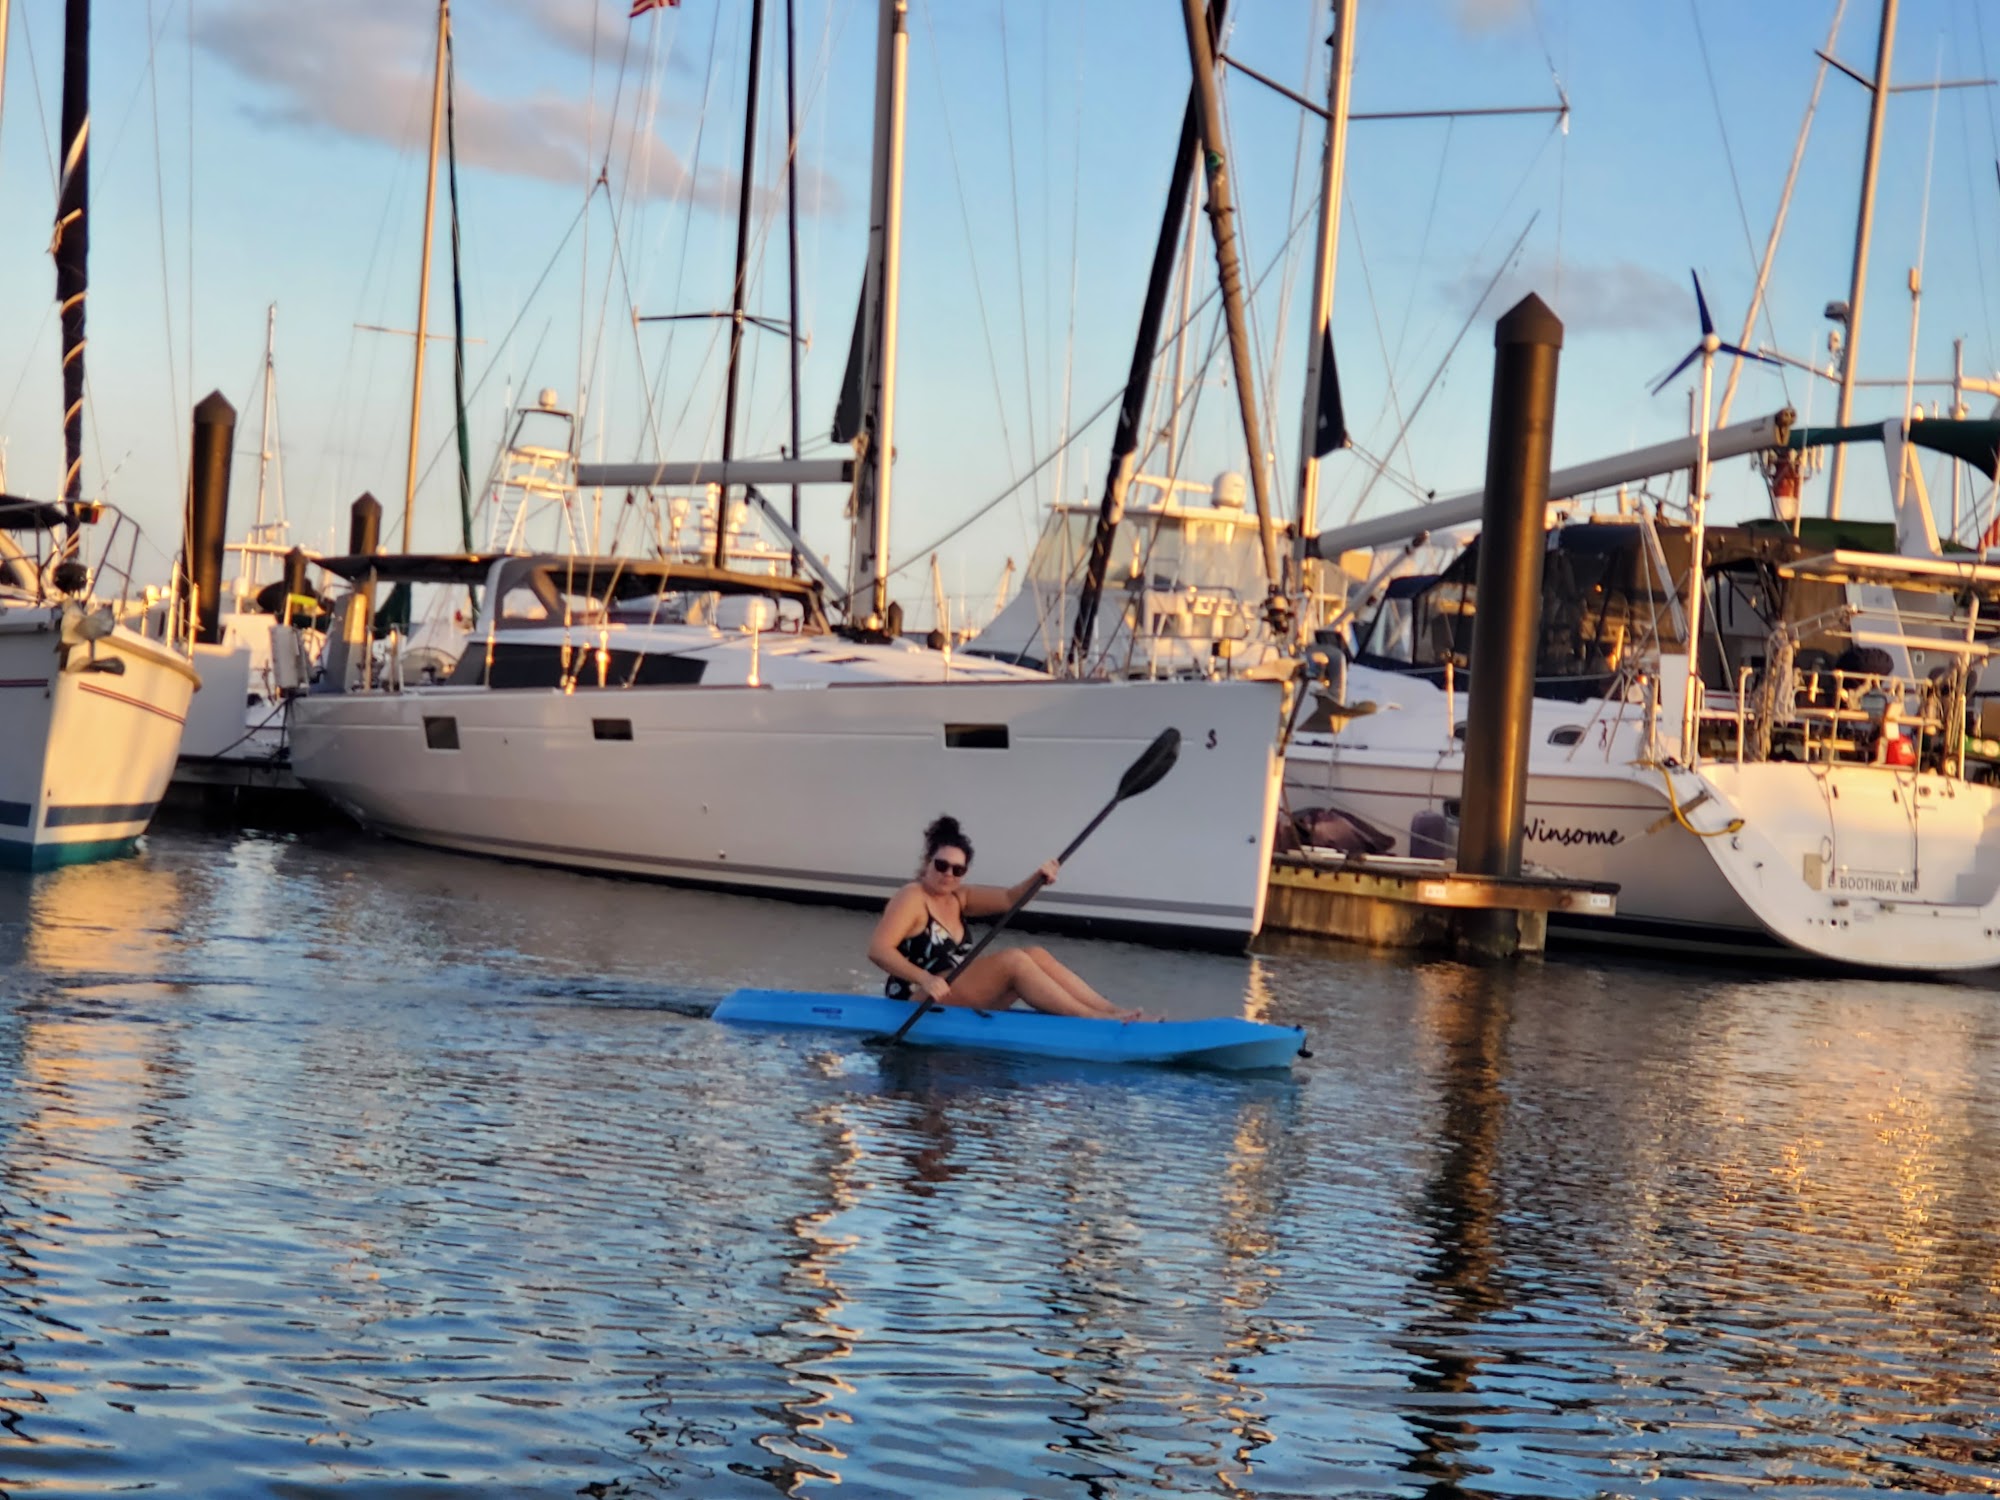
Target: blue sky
1040,141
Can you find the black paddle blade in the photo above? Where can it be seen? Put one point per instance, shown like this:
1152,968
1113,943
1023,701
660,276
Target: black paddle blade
1145,772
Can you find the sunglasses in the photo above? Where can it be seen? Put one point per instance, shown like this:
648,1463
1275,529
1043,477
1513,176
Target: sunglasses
946,867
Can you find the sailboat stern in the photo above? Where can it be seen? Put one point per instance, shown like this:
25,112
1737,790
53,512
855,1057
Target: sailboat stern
1873,866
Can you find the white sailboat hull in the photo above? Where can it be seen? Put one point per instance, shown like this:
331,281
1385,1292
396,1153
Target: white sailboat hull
821,791
1863,865
87,744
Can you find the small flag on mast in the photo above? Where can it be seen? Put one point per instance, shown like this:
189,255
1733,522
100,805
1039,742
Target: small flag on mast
1330,423
640,7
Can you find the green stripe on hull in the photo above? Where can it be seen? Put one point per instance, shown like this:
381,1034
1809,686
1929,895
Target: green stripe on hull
19,856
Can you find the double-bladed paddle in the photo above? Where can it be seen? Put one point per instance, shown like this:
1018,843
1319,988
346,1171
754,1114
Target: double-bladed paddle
1143,774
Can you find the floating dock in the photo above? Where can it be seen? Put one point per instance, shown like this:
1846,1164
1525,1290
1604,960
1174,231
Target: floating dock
1422,903
263,791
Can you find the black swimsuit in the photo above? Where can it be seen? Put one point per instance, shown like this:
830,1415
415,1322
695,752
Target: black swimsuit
934,950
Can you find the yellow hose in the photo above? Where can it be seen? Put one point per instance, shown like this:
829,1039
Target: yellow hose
1732,826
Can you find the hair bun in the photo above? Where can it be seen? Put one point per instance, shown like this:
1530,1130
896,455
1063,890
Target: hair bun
944,832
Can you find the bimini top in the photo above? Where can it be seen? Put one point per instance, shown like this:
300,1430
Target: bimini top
414,567
550,576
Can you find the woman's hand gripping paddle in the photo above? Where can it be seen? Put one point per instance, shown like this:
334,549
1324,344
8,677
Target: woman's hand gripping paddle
1142,775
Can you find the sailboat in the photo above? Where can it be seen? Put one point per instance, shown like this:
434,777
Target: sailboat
1776,745
698,722
1779,740
91,708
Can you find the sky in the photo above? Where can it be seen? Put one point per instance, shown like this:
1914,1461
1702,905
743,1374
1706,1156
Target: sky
251,152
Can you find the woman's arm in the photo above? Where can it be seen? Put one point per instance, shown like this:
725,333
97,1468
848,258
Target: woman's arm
991,900
903,916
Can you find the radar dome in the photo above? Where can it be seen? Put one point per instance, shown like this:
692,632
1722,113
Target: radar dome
1230,488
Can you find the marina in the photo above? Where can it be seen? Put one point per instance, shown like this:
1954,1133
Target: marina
1470,985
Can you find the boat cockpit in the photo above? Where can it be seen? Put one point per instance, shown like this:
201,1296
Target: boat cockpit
1805,654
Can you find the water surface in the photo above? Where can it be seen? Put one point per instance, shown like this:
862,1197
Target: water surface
336,1167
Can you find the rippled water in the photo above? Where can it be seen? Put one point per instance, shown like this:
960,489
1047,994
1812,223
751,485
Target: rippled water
335,1167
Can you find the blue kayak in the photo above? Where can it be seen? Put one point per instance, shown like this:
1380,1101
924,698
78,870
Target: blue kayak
1224,1042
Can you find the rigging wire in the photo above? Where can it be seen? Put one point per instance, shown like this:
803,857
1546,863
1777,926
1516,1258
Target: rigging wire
1302,182
359,417
1392,385
1201,308
972,254
1729,157
1423,247
1993,135
1562,167
779,417
1261,446
690,189
189,303
442,446
1478,253
1047,175
1506,262
1499,221
1020,264
1075,258
590,180
153,36
1409,486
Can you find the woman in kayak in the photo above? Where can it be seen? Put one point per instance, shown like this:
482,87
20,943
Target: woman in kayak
922,937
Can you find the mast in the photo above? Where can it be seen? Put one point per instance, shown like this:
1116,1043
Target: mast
743,190
247,569
1181,344
1878,102
72,241
792,240
1315,440
1125,441
424,289
3,59
1222,222
1696,699
869,568
457,310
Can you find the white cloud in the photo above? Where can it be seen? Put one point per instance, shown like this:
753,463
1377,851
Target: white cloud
362,69
1621,297
1494,15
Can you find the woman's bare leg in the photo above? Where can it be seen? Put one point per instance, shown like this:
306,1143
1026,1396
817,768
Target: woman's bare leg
1072,982
998,978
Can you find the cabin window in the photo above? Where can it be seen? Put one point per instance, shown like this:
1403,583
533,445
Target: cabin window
440,734
975,736
1568,734
611,729
519,664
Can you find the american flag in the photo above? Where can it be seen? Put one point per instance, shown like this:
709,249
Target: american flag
640,7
